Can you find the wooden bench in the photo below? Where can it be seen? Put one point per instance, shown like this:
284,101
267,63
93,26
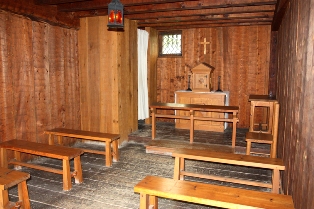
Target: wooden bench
108,138
152,187
10,178
51,151
192,108
274,164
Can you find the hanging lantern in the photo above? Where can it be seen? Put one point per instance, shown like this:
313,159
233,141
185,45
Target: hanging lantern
115,14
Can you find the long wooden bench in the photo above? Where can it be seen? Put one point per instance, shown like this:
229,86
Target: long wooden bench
192,108
108,138
274,164
152,187
51,151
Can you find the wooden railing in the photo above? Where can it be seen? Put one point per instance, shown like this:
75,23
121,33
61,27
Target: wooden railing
192,108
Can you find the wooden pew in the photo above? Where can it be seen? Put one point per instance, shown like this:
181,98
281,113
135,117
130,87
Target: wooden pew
51,151
274,164
8,179
192,108
108,138
152,187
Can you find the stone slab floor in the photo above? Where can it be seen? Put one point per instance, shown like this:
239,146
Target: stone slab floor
112,188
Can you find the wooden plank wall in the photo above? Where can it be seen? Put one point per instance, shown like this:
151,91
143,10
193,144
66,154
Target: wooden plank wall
152,56
38,78
295,94
108,69
240,55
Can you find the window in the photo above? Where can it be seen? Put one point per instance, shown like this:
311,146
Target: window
170,43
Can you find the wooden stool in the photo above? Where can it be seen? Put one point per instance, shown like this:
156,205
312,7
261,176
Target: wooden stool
265,138
266,102
9,178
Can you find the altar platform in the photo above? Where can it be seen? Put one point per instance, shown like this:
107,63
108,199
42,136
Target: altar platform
167,133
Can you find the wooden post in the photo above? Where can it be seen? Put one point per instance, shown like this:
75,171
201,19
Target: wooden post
153,122
234,128
192,126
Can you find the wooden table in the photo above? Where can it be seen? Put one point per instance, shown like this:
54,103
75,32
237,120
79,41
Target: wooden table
108,138
192,108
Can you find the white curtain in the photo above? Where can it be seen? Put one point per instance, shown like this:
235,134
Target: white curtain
142,46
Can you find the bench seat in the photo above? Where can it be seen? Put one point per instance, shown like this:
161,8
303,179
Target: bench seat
152,187
8,179
274,164
44,150
108,138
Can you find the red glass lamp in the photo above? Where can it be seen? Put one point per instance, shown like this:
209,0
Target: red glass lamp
115,14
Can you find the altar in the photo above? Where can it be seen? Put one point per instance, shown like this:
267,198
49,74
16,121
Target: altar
204,98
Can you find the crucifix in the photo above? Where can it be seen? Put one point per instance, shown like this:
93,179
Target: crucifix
205,43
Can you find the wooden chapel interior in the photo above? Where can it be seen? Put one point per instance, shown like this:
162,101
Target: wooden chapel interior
61,67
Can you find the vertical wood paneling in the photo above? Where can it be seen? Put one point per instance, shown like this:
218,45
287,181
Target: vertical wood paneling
83,66
7,111
295,94
108,77
21,65
240,55
38,73
41,72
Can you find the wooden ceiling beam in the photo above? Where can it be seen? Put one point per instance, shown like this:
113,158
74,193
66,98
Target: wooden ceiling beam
242,16
204,12
188,5
41,13
215,25
282,7
205,22
146,5
185,13
56,2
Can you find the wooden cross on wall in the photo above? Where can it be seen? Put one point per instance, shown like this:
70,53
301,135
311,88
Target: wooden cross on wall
205,43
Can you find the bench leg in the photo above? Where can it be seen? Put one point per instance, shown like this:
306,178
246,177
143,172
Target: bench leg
191,126
4,159
248,147
60,140
153,202
23,195
67,184
78,169
51,139
276,181
4,198
234,130
176,175
115,150
17,156
144,201
108,154
178,167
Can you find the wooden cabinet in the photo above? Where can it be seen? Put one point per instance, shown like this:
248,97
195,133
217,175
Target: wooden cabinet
207,98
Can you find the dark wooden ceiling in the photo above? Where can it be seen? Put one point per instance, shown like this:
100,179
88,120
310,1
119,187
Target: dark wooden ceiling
159,14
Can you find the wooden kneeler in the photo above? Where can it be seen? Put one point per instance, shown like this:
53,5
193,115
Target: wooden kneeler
10,178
